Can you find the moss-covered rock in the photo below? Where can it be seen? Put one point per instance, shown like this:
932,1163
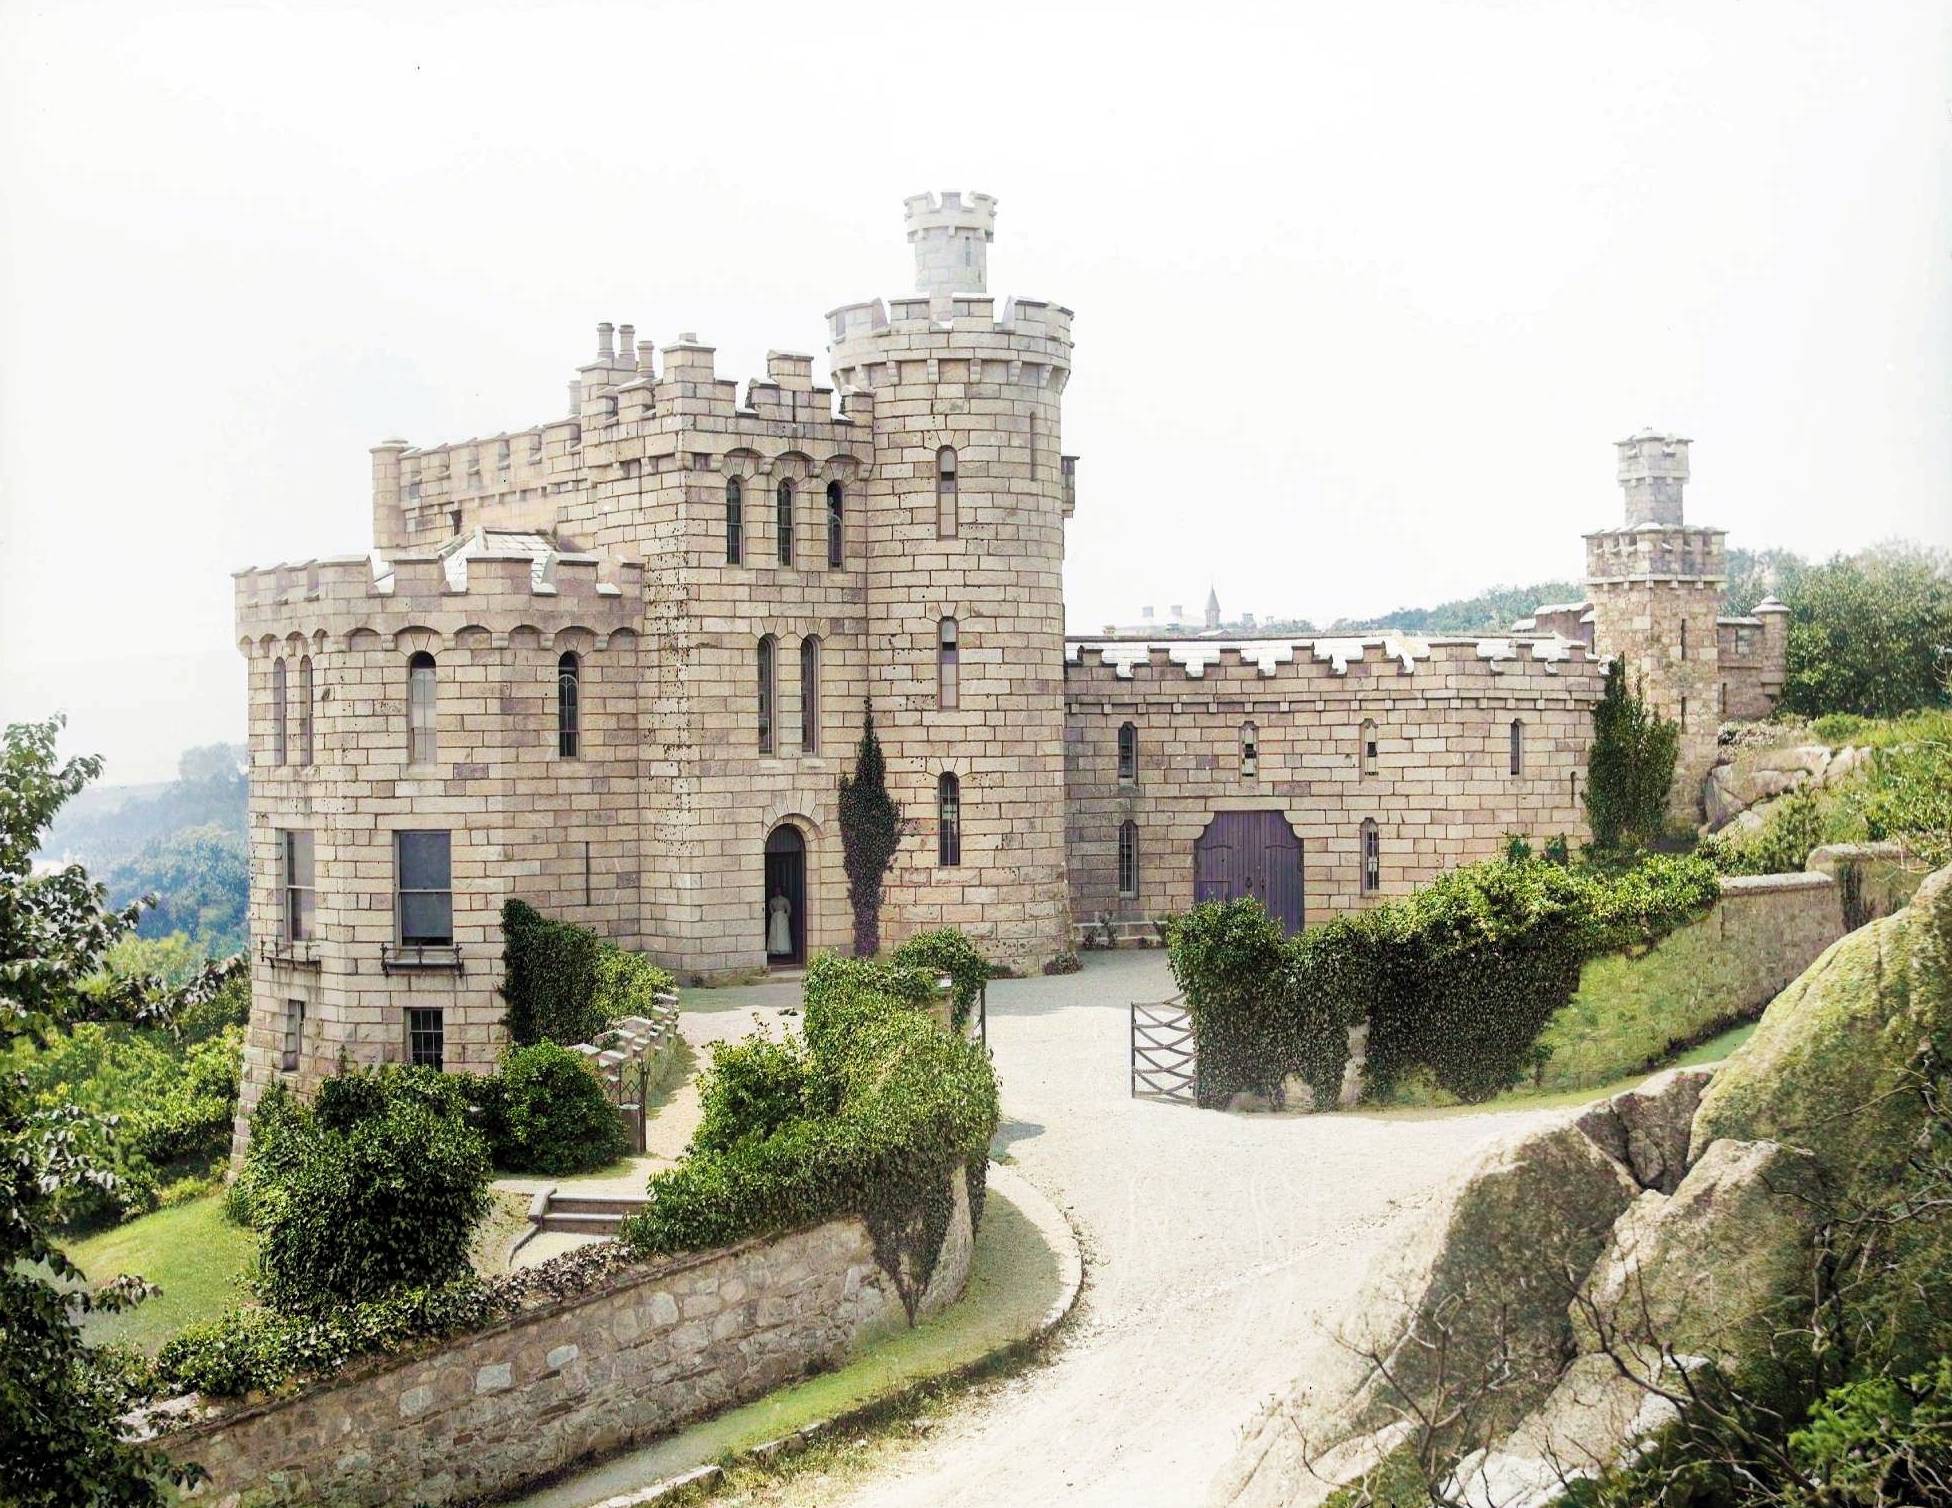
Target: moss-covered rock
1833,1065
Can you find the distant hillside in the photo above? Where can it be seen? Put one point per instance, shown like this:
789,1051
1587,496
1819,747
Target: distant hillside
1489,610
181,841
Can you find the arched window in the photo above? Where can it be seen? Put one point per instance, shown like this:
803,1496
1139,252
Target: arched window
1128,858
945,493
767,647
279,748
810,694
836,516
784,500
1517,746
948,821
1372,857
305,710
1369,746
422,746
569,710
948,655
1128,751
735,521
1250,749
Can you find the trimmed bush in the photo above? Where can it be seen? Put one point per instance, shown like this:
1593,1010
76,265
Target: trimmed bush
378,1186
627,984
893,1105
752,1089
547,1113
946,951
565,984
1457,980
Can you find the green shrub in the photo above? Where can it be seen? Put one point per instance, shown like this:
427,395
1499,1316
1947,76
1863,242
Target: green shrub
1630,767
379,1186
627,984
945,950
1457,980
565,984
896,1105
752,1089
550,1113
1794,824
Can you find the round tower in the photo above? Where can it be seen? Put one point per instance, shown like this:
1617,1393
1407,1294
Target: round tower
964,509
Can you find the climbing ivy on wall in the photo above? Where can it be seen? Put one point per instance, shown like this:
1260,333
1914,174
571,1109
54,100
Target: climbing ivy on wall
1630,767
870,832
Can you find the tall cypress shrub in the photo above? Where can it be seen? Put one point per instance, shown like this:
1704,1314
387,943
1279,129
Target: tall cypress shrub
1630,767
870,831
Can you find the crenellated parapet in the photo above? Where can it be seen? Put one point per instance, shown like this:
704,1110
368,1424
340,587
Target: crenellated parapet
907,340
501,586
1411,664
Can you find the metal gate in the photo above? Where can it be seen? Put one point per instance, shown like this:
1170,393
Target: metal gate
1251,854
1164,1060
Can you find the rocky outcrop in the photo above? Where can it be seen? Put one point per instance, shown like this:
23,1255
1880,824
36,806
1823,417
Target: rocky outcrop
1723,1176
1751,777
1647,1127
1479,1290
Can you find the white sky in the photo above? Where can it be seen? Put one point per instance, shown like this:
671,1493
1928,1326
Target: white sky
1363,292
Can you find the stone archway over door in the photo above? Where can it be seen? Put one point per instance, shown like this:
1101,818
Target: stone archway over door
786,875
1251,854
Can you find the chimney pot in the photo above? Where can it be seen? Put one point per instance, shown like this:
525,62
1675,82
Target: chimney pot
605,336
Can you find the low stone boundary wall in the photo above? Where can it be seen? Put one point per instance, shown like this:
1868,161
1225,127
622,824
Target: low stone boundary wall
648,1350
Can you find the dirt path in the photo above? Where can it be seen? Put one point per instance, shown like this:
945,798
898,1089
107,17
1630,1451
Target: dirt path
1218,1249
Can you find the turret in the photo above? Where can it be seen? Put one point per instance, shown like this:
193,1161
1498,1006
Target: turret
1653,472
951,240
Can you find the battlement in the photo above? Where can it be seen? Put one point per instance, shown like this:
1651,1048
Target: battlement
1457,665
1656,552
950,237
483,578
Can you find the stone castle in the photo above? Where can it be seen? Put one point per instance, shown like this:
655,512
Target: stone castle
615,664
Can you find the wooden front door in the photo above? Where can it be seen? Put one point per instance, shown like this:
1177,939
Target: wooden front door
1251,854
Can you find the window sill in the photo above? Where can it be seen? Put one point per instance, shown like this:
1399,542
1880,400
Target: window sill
439,957
289,954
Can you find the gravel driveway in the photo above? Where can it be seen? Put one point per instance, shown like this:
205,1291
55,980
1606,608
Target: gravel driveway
1218,1248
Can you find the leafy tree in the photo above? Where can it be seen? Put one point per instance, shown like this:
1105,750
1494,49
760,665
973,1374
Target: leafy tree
60,1399
201,879
1755,574
1870,633
1630,767
1494,608
870,832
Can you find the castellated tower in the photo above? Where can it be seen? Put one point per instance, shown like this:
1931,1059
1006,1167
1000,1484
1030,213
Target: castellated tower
1655,584
965,511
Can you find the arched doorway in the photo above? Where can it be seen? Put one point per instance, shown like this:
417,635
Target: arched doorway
1251,854
786,879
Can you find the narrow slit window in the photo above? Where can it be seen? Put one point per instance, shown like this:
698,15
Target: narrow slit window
305,699
301,895
948,821
1517,746
1128,858
945,493
810,694
784,521
1250,749
279,747
735,521
1684,714
948,661
1372,857
1684,638
422,687
768,646
424,876
294,1042
836,519
1128,751
427,1037
1369,759
569,709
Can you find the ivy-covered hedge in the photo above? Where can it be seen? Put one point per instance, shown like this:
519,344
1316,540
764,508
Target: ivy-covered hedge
1457,980
945,950
545,1111
565,984
872,1118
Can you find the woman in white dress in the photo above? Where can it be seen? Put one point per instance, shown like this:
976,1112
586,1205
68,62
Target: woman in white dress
779,931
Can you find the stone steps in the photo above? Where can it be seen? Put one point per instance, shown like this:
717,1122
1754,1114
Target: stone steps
582,1214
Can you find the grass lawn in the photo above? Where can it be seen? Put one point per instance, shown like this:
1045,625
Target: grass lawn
191,1252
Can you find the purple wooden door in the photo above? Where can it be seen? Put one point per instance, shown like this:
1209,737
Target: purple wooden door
1251,854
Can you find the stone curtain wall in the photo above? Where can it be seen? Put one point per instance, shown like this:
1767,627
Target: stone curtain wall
1442,792
651,1350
